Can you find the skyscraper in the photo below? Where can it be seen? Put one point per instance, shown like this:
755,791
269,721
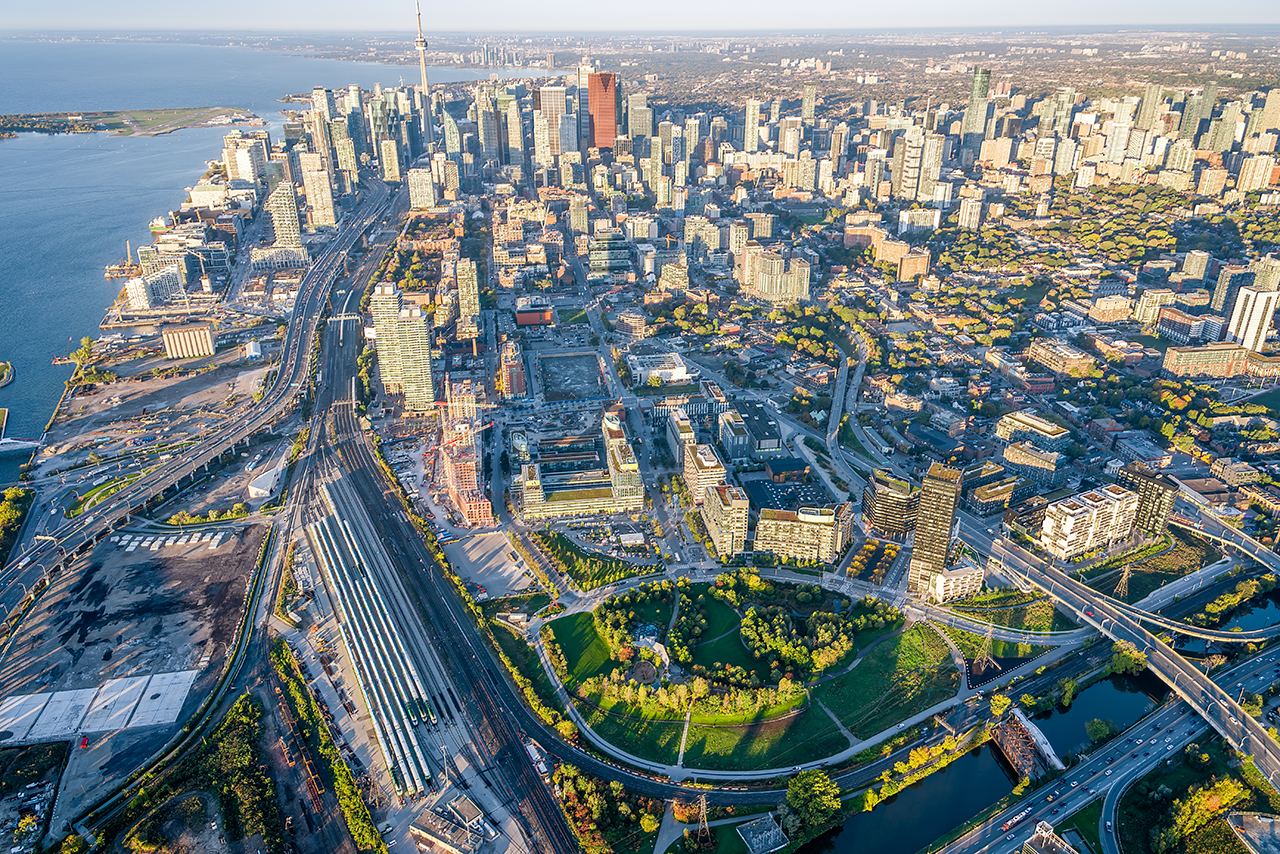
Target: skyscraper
403,338
808,102
1230,281
1152,102
639,116
551,102
751,126
1156,495
282,206
975,117
603,104
935,517
585,69
1251,316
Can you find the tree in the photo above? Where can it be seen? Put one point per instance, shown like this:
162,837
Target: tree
1099,730
74,844
814,796
649,822
655,380
1000,704
1125,658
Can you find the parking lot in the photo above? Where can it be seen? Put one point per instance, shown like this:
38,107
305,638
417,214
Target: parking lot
485,560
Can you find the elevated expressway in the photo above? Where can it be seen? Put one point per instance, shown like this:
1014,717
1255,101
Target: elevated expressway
50,554
1125,623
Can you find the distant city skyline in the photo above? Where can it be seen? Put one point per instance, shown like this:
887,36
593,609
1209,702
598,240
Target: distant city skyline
580,15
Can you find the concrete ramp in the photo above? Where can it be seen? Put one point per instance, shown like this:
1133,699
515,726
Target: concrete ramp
163,698
62,716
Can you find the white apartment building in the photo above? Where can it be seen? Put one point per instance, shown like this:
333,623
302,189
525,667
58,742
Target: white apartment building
1078,525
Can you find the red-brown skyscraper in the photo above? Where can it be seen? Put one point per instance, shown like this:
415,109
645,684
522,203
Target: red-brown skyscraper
603,100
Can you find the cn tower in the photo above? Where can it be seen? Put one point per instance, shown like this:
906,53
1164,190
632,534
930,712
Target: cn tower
428,131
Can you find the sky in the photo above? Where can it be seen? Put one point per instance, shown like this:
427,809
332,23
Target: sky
649,15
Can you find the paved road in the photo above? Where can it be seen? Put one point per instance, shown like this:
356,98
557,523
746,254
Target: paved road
23,573
1108,771
1214,704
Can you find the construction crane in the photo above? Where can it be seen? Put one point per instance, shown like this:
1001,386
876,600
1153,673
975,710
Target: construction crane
463,434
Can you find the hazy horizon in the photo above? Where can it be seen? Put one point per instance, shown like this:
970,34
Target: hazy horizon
580,16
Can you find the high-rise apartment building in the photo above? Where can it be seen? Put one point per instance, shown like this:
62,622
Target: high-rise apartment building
605,107
977,116
702,469
319,197
751,126
282,208
1230,281
389,160
422,189
245,155
403,337
808,101
806,534
468,288
935,518
511,374
1088,522
724,513
889,506
1156,496
1251,317
1027,426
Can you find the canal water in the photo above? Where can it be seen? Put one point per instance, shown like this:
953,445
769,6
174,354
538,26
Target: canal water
941,802
920,814
1119,699
1262,612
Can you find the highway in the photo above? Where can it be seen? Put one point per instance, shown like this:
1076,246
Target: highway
25,571
1107,771
1211,702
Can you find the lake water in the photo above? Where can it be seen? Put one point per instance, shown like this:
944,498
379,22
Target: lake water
69,202
1119,699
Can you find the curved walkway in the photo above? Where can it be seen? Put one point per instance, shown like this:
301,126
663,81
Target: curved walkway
678,773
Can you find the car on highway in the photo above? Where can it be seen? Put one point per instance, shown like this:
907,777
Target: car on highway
1108,771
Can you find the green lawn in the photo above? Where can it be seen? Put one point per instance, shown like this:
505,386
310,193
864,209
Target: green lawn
658,741
526,661
729,650
1038,616
805,737
1085,823
900,677
585,652
1187,555
573,318
971,645
1270,399
720,617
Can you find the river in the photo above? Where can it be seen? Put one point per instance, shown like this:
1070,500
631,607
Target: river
941,802
70,202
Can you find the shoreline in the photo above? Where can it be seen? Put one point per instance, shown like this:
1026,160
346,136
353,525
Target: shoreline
143,123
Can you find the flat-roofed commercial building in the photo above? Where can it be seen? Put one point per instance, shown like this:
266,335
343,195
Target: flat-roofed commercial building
724,512
889,505
189,341
702,469
734,438
806,534
1091,520
582,475
1027,426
